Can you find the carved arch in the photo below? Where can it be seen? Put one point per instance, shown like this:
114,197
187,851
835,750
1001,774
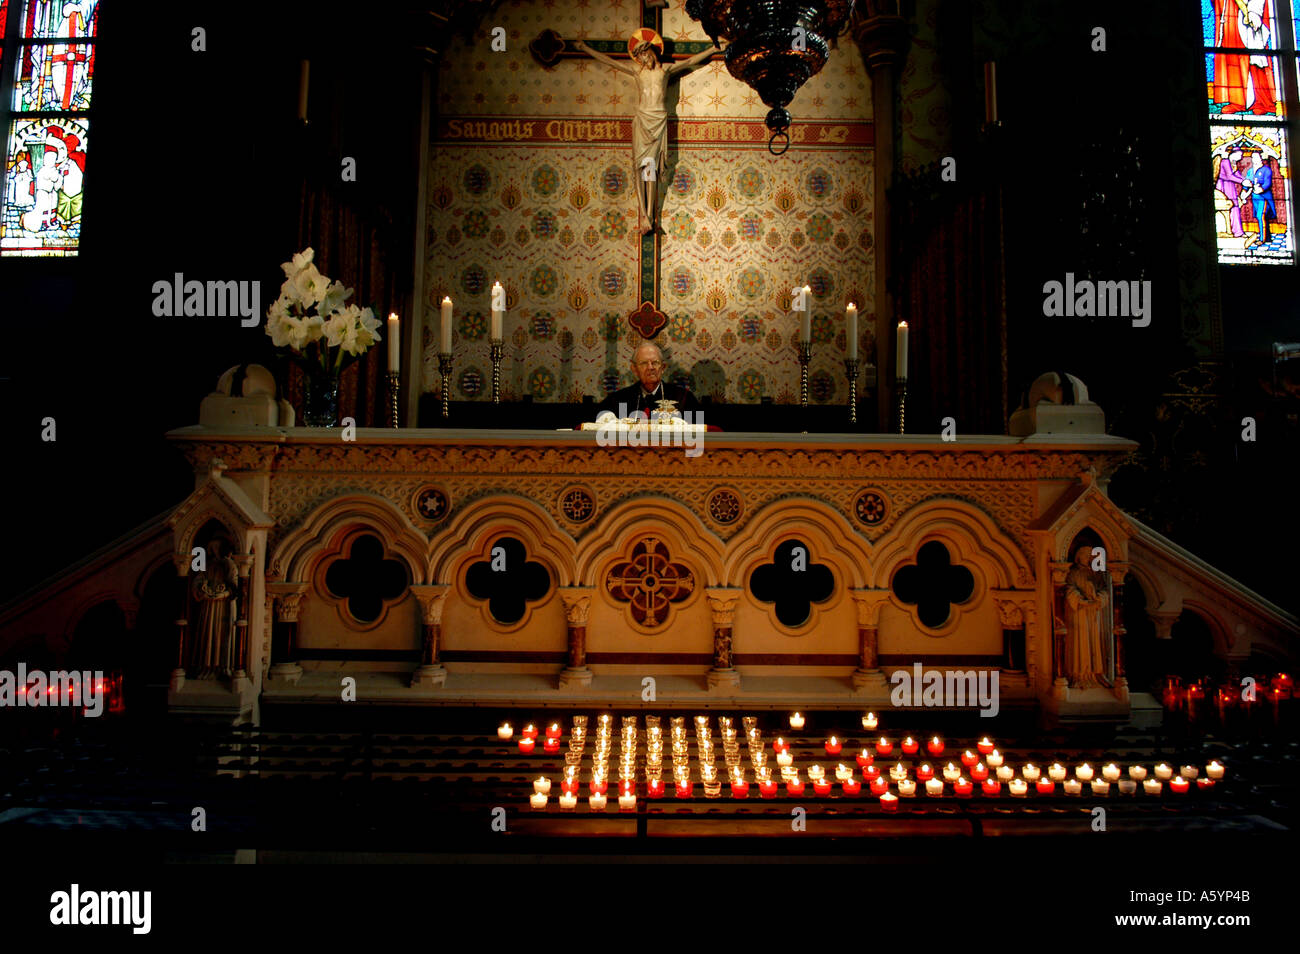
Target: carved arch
462,538
968,531
686,535
319,533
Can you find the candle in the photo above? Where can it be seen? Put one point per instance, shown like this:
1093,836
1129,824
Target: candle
1045,786
852,786
924,772
767,788
902,351
684,788
842,772
1214,770
969,758
796,721
551,745
879,786
990,92
869,722
529,731
979,771
872,772
889,801
910,746
526,745
505,731
833,746
794,786
444,329
1110,772
935,746
900,771
394,344
1031,772
739,788
1006,773
934,788
906,788
597,803
569,785
304,72
1100,786
542,785
780,745
568,802
1127,786
994,759
1137,773
498,295
627,802
851,330
1073,786
1179,785
1205,784
884,746
1164,772
1152,786
537,800
1083,772
655,788
1056,772
951,773
1018,788
984,746
991,787
553,730
805,323
784,758
822,786
1189,772
963,787
865,758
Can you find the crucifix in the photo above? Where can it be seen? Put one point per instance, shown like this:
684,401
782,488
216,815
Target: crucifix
640,57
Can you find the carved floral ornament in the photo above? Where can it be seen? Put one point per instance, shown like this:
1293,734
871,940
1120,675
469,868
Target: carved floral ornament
649,583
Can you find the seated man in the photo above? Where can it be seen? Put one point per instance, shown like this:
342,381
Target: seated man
650,388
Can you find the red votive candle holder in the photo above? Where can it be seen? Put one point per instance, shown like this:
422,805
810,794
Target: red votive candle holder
526,745
871,772
924,772
984,746
879,786
1179,785
569,786
834,746
1204,784
865,758
852,786
822,786
884,746
553,730
739,789
889,801
597,788
992,787
963,788
529,731
979,772
550,745
935,746
767,788
794,786
684,789
1045,786
910,746
969,758
780,745
655,788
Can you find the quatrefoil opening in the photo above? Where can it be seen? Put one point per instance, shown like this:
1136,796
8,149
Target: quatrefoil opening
365,579
933,584
508,581
793,583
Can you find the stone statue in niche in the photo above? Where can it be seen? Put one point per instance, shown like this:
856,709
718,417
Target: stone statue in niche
1087,623
215,592
650,122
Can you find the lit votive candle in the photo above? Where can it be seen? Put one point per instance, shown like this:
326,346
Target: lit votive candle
1072,786
842,772
1110,772
1214,770
924,772
767,788
1006,773
1045,786
796,721
542,785
780,745
568,802
979,771
963,788
984,746
529,731
865,758
655,788
1137,772
569,785
551,745
994,759
934,788
784,758
833,746
505,731
1189,772
1018,787
740,789
969,758
1127,786
1164,772
869,722
1204,784
991,787
537,800
1083,772
872,772
910,746
598,786
1056,772
879,786
794,786
553,730
884,746
889,801
1100,786
852,786
596,803
935,746
1179,785
627,802
684,788
899,771
1152,786
815,772
1030,772
526,745
822,786
907,788
951,773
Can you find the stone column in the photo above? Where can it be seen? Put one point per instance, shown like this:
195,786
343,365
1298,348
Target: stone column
1018,611
1012,619
722,603
868,676
1118,571
1059,633
284,635
182,596
239,664
432,598
577,604
882,35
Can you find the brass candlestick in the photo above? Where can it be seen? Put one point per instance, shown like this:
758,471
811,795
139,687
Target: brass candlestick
851,369
394,390
805,355
900,387
444,369
496,370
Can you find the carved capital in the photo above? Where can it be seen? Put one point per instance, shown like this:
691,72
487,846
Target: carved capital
881,34
243,563
431,596
288,599
130,612
1164,623
1118,569
869,602
577,603
722,603
1015,607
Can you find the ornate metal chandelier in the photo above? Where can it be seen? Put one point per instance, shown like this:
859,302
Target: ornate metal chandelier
774,46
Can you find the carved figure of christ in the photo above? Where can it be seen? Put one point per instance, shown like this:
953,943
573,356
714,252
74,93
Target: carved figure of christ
650,123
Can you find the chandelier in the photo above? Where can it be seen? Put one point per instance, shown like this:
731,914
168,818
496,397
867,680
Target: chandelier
774,46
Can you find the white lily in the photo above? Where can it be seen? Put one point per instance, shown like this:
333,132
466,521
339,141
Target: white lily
300,261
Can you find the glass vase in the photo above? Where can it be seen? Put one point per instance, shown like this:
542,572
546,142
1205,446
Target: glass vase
320,401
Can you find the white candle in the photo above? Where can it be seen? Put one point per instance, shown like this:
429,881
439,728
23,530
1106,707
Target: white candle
1164,772
444,329
951,772
934,787
498,314
1152,786
1127,786
597,803
805,323
1031,772
505,730
1056,772
1137,773
1100,786
816,773
1072,786
1110,772
1083,772
568,802
627,802
1006,773
851,330
304,74
784,758
1214,770
1190,772
842,772
394,344
906,787
869,721
537,800
898,772
1018,787
902,351
993,759
796,721
542,785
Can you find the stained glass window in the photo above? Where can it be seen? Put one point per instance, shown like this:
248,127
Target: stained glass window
45,117
1248,46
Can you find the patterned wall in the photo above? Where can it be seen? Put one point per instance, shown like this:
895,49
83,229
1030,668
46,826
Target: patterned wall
529,185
